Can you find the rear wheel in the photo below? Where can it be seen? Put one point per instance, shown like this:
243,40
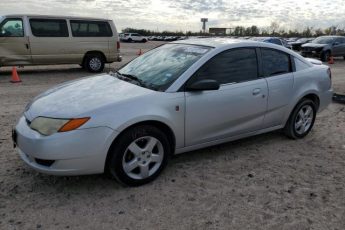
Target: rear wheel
301,120
94,63
139,155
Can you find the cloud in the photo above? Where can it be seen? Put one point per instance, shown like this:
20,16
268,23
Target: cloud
185,14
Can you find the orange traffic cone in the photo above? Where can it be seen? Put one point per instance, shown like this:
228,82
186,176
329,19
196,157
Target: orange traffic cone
331,60
140,53
15,77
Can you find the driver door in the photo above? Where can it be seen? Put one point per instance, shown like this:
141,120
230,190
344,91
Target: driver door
237,107
14,45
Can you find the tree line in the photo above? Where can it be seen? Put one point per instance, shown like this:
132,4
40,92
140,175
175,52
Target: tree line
273,30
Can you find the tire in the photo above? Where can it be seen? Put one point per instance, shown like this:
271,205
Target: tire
94,63
344,57
301,120
325,56
132,161
129,40
144,40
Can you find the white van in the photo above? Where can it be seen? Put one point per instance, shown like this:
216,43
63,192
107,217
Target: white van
44,40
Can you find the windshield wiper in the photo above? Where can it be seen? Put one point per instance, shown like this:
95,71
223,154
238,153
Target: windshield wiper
131,77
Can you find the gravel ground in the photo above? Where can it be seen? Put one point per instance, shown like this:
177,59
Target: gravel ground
262,182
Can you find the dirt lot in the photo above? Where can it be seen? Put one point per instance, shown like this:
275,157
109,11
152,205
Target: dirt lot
262,182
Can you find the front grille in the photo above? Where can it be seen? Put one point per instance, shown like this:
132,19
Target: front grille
47,163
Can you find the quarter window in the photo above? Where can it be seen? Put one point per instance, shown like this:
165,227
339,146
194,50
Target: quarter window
275,62
12,28
232,66
91,29
49,27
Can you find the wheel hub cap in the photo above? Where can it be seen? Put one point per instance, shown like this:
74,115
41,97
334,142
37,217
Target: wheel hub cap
95,63
143,157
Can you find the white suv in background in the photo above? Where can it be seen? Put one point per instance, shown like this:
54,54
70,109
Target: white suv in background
132,37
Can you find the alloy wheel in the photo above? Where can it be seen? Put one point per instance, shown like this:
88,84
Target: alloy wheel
143,157
304,119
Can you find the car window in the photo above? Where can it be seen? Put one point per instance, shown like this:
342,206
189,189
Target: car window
49,27
160,67
232,66
12,28
90,29
275,62
340,40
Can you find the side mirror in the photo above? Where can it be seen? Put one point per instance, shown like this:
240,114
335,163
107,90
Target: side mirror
201,85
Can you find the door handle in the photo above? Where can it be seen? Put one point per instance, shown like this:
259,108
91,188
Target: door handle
27,46
256,92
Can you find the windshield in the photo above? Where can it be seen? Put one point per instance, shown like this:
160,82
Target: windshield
1,18
160,67
323,40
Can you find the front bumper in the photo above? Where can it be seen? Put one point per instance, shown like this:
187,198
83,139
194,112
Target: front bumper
311,53
77,152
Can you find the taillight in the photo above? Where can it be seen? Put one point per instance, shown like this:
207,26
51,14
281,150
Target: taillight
118,45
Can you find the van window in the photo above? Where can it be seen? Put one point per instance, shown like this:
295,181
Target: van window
90,29
49,27
12,28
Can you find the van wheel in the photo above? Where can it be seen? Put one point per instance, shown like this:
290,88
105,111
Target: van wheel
94,63
139,156
301,120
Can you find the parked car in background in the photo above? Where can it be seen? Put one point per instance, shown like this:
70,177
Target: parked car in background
291,39
325,46
274,40
50,40
132,37
178,97
296,45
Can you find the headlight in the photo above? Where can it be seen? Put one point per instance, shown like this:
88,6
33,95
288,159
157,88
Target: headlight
48,126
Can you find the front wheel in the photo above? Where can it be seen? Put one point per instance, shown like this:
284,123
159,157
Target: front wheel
325,56
139,155
301,120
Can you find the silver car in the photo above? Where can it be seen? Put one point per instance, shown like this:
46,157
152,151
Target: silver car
179,97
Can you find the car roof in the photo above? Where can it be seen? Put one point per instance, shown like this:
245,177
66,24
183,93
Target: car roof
223,42
212,42
228,43
54,16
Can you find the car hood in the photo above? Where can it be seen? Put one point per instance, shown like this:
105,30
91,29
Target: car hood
314,45
72,99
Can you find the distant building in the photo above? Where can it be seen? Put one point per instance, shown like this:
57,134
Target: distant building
217,31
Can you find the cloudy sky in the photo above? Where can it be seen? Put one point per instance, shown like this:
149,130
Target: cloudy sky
185,14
